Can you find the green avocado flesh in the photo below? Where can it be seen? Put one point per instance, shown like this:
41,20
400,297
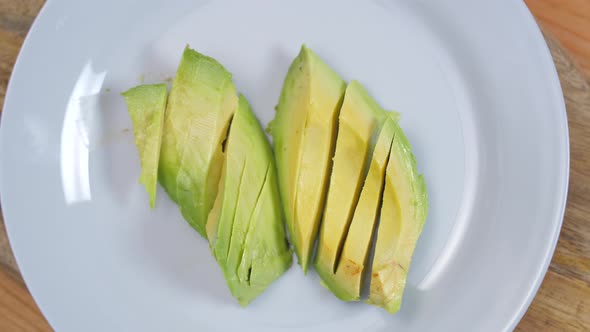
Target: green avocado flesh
346,283
304,132
404,210
146,105
201,103
360,120
245,226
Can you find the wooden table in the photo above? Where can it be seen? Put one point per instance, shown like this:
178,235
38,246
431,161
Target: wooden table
563,301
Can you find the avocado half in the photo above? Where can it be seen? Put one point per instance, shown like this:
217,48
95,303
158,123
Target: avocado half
146,105
201,103
304,132
360,120
245,227
404,211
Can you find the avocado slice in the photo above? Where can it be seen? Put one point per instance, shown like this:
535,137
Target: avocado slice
245,227
361,118
404,210
304,132
346,283
146,105
201,103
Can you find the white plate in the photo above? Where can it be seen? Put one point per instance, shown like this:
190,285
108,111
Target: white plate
480,102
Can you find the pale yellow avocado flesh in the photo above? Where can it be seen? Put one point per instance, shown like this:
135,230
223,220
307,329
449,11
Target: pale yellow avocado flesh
360,118
304,134
346,283
404,210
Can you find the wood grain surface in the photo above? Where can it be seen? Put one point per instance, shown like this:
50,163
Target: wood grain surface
569,22
563,301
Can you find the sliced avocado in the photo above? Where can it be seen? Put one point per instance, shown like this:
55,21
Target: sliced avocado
360,119
347,281
304,132
266,255
200,106
245,226
404,210
146,105
248,157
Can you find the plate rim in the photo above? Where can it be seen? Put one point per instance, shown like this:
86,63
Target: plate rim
537,34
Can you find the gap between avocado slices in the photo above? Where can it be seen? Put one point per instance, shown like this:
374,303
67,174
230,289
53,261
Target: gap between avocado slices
146,105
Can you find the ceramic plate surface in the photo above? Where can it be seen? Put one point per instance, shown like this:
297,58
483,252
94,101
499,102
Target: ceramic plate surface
480,102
